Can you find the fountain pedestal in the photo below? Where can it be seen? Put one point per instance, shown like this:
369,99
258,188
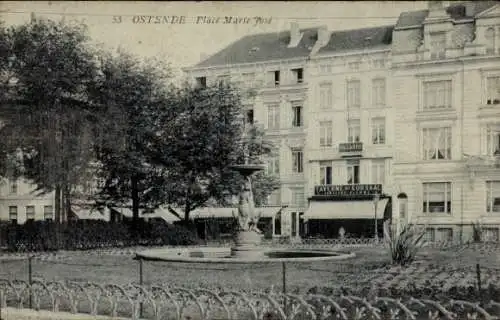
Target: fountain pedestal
247,245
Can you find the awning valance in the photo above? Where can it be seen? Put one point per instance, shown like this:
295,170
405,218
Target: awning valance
345,209
227,212
162,213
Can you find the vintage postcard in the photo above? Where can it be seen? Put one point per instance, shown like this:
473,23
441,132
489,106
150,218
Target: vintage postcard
249,160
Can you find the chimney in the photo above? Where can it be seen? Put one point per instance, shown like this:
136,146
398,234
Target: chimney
295,35
33,17
437,9
470,8
323,35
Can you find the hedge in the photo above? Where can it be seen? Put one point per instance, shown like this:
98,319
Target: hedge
90,234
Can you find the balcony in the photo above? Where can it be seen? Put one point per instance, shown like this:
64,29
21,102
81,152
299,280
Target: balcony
350,148
347,190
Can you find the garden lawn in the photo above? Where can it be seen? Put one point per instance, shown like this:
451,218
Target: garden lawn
371,266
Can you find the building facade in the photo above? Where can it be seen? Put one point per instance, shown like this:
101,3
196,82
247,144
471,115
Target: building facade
445,75
19,202
397,122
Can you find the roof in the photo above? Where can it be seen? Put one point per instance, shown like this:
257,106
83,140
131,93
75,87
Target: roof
358,39
457,11
263,47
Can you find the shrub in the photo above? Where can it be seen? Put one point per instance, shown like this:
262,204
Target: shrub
403,244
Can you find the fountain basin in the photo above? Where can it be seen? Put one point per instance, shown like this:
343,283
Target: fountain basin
223,255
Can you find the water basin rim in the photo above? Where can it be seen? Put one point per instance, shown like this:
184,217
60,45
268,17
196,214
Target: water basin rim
232,260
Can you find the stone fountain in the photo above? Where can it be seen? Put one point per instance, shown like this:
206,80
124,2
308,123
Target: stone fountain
247,246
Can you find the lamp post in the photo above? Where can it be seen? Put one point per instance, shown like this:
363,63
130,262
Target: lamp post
376,198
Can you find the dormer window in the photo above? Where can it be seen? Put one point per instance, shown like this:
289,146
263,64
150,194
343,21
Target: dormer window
298,75
276,78
201,82
438,45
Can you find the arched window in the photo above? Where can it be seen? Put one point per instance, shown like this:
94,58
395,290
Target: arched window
490,40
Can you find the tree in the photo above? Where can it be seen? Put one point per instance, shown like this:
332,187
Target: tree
45,106
132,97
198,148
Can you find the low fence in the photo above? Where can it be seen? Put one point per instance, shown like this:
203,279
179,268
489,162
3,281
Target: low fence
169,302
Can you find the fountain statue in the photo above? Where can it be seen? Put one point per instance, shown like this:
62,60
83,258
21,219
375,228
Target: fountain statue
247,236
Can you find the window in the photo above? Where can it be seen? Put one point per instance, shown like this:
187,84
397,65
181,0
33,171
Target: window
437,95
30,213
378,89
13,186
274,198
438,45
430,235
378,131
294,224
298,197
489,37
13,214
48,213
273,117
378,172
248,79
201,82
297,115
325,172
493,91
325,96
249,117
437,197
493,196
325,69
493,141
353,94
353,172
445,234
298,161
437,143
223,79
378,63
277,224
273,166
490,234
353,131
273,78
354,65
325,133
298,74
402,210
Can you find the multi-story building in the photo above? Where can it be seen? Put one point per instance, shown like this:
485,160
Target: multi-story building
275,68
20,202
446,99
350,137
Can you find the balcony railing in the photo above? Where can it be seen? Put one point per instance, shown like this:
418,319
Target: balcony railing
347,190
351,147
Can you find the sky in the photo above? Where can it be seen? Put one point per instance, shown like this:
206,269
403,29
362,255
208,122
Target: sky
199,29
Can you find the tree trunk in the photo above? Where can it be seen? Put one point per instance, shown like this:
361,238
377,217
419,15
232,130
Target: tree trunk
57,214
135,207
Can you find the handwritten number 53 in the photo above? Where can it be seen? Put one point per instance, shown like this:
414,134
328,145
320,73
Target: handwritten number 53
117,19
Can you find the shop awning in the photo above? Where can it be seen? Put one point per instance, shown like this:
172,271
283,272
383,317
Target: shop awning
345,209
162,213
86,213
